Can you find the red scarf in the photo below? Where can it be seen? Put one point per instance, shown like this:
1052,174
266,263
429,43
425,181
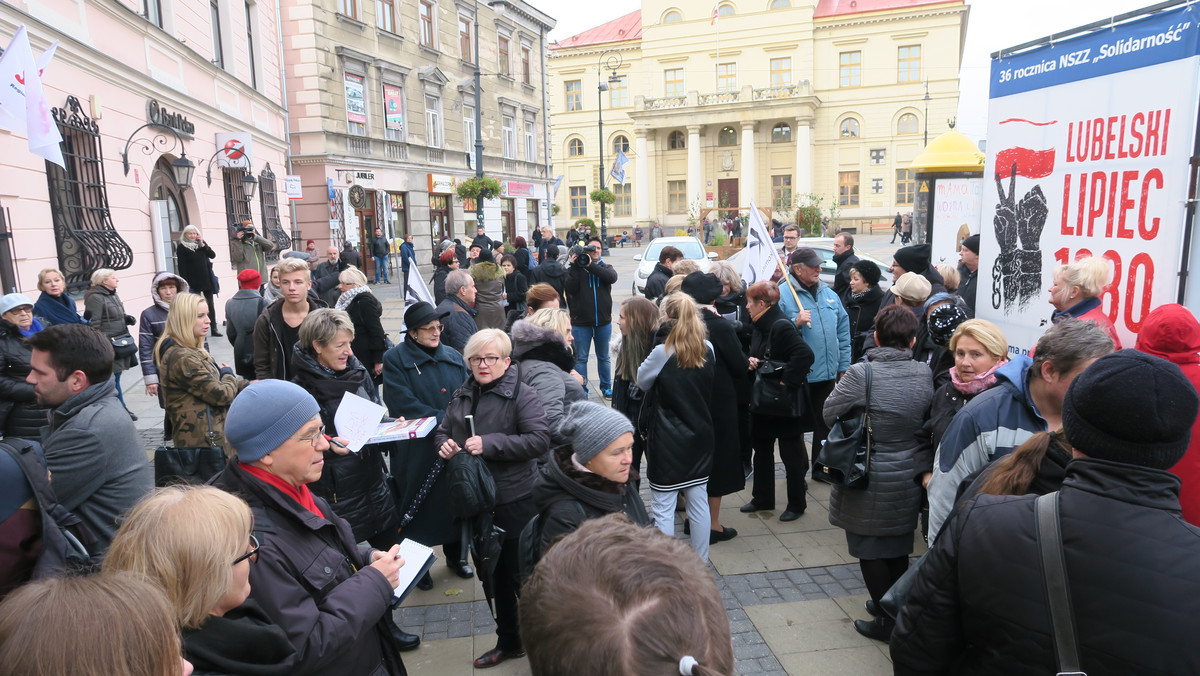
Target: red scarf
301,495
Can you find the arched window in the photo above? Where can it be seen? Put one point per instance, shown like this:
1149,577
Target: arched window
727,137
672,17
849,128
782,133
575,148
621,144
780,4
908,124
725,10
676,140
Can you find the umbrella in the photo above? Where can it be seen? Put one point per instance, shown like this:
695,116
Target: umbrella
414,505
484,539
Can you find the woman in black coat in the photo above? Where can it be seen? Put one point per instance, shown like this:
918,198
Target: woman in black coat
776,338
356,484
194,257
515,285
370,340
20,415
861,301
445,264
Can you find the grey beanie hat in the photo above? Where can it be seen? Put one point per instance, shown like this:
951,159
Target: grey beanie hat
589,428
266,414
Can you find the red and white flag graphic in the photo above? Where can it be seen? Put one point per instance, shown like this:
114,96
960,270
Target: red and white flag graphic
23,101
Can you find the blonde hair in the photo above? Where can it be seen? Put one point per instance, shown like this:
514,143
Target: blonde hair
322,326
553,318
94,625
184,539
673,284
46,271
986,334
101,276
352,276
1090,274
727,274
949,276
484,337
290,265
685,267
687,335
181,320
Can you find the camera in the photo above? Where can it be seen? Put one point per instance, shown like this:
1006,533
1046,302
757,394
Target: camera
579,254
244,230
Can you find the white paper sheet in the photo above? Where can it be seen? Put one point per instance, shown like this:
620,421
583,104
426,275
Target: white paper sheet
357,419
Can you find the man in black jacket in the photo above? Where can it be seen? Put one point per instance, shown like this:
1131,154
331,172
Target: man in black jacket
968,271
481,239
589,295
379,251
459,308
844,258
978,605
656,283
549,245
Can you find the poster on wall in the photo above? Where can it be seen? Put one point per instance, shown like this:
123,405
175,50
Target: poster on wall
956,208
1088,147
356,105
393,107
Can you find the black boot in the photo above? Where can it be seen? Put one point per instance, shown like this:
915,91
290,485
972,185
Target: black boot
879,628
404,640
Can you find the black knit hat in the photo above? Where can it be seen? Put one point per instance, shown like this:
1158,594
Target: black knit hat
943,321
869,271
914,258
703,287
972,243
1133,408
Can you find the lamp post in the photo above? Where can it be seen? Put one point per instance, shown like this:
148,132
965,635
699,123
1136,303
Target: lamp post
478,124
611,60
182,168
927,112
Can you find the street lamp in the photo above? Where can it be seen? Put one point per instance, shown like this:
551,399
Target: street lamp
478,125
181,168
927,112
611,60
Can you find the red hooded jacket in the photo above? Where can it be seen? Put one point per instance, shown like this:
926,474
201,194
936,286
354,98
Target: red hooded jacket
1171,332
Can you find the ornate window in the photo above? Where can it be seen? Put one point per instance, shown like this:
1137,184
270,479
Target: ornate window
848,188
908,64
849,128
781,71
725,10
574,94
780,4
624,204
781,133
268,206
727,137
676,140
575,148
237,205
673,82
906,186
850,69
83,229
677,197
908,124
672,17
578,201
621,144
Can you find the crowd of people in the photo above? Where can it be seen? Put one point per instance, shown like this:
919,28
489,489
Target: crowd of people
287,561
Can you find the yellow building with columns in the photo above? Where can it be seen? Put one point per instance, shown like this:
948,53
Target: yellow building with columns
758,101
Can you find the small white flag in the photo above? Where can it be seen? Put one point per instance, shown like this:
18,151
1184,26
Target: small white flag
23,101
618,168
761,262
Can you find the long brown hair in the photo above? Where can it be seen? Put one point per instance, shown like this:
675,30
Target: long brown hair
641,321
1015,472
687,336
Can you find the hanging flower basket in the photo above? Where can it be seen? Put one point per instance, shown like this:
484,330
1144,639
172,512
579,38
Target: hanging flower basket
602,195
484,187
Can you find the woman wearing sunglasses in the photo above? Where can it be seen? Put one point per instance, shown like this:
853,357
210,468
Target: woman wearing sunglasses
195,542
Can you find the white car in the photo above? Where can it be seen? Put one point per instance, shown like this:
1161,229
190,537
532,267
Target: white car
824,248
690,246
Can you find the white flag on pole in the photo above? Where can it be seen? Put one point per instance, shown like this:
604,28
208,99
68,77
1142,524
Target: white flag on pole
22,100
415,291
618,168
761,262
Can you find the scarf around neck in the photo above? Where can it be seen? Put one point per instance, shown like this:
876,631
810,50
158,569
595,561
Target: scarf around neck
57,310
189,244
343,301
979,383
302,495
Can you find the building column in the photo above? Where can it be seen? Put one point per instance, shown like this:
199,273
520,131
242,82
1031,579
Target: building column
695,173
803,136
749,169
641,192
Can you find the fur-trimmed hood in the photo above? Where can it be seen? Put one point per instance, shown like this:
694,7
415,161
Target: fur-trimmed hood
538,343
486,272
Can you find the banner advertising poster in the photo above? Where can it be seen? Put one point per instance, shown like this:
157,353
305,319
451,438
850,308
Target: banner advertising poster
356,106
1089,141
393,107
957,203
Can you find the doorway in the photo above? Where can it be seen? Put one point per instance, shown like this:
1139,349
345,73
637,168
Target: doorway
727,197
366,233
439,217
508,220
170,213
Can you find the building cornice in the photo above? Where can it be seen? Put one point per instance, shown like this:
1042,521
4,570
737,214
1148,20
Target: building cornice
832,23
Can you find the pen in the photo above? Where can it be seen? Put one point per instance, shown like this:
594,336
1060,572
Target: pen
333,441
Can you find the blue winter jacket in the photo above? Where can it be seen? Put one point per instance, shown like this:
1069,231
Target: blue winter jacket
829,333
990,426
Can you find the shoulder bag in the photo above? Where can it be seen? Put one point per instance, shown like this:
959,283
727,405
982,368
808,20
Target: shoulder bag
1058,594
124,346
845,458
770,395
188,464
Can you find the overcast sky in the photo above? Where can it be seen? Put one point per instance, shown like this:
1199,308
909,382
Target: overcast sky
993,25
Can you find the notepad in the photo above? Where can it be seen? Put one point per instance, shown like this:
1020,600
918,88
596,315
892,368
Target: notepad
417,560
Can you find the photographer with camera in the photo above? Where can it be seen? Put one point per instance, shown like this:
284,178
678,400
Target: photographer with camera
589,294
249,250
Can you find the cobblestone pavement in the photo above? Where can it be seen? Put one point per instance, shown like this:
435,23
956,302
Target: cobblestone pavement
791,590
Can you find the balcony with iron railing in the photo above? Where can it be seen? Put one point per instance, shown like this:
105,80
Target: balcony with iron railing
745,95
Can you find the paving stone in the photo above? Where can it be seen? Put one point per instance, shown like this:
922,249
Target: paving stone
751,652
747,667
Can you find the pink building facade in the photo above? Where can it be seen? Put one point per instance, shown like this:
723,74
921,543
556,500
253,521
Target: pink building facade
206,75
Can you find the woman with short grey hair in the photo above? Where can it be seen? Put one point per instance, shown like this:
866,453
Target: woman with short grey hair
355,484
104,309
370,340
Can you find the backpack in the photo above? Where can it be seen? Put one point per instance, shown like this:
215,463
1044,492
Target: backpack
529,546
65,538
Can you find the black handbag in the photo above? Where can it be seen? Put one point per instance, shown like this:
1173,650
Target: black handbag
845,458
189,464
123,346
771,396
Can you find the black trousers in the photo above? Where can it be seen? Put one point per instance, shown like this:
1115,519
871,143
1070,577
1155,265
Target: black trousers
817,394
795,463
212,310
512,518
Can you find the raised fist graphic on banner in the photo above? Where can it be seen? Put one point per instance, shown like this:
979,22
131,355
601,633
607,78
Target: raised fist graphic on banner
1017,272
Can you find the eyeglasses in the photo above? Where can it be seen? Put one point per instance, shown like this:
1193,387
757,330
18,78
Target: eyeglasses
490,361
319,434
252,554
436,328
22,310
790,237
